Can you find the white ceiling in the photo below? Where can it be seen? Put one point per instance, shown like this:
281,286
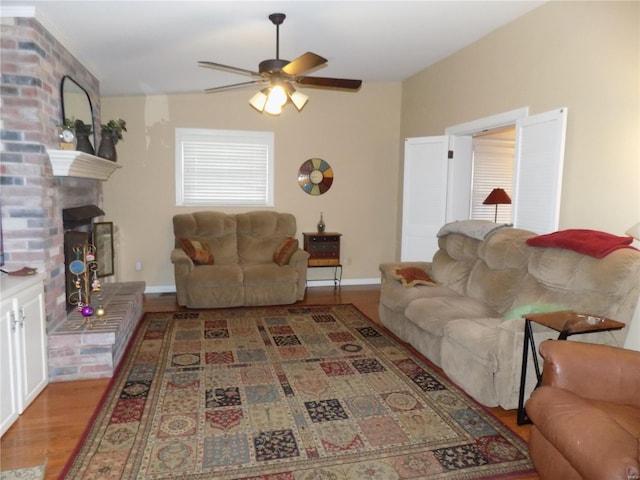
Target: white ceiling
148,46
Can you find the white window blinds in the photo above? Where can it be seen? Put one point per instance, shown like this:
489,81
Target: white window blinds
224,168
492,168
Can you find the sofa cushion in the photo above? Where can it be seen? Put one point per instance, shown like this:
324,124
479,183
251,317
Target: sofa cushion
412,276
432,314
608,286
469,356
197,251
478,337
260,234
216,229
501,266
268,274
208,276
285,251
453,261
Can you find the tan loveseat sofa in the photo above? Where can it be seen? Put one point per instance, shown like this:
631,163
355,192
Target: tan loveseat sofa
243,270
481,275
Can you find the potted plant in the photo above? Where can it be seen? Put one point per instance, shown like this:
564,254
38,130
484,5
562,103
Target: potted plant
110,133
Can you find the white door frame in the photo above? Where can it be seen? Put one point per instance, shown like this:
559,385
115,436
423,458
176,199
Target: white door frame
488,123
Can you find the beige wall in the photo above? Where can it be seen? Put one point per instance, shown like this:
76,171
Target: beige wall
357,133
580,55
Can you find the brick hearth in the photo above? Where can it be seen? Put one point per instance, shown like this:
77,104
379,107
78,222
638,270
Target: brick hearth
79,350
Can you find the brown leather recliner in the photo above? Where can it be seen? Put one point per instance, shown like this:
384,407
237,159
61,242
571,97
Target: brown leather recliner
586,413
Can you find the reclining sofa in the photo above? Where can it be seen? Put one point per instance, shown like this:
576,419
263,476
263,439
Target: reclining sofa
230,260
469,322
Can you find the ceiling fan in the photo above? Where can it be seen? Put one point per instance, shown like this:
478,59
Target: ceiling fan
280,75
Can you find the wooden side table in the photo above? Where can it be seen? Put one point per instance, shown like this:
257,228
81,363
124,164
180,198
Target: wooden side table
568,323
324,251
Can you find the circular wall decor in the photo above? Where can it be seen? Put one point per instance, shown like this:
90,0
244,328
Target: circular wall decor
315,176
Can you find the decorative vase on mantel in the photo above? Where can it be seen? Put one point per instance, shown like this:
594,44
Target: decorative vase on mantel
83,144
107,148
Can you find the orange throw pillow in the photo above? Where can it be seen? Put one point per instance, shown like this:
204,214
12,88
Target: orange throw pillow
197,251
411,276
285,251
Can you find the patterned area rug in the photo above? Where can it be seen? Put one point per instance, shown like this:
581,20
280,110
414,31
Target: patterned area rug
287,393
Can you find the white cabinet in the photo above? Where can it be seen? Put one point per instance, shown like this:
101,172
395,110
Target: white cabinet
23,345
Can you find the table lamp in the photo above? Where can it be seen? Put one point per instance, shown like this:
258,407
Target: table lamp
497,197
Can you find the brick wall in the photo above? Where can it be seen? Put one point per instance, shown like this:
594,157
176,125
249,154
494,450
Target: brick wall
32,65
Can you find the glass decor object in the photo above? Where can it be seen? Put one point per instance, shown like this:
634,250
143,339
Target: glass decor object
321,225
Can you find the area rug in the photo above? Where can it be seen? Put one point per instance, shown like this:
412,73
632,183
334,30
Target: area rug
287,393
28,473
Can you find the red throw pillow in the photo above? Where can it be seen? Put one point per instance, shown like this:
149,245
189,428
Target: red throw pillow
411,276
285,251
197,251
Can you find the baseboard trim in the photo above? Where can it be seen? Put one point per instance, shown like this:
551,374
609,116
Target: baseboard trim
310,284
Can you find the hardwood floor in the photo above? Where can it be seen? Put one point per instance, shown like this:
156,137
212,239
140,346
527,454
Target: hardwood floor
51,427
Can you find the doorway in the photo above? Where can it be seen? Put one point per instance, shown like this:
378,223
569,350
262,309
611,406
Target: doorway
492,167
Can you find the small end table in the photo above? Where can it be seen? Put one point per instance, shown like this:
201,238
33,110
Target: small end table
324,251
568,323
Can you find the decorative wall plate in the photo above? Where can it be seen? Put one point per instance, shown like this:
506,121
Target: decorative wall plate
315,176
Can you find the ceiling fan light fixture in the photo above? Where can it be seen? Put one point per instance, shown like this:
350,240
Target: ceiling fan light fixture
276,99
259,100
298,99
280,74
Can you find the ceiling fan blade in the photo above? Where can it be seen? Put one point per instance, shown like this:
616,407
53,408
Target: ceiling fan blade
325,82
220,66
234,85
303,63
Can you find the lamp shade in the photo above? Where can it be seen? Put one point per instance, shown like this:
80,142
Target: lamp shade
497,197
259,100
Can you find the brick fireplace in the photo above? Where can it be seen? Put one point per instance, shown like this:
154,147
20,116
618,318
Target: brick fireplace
33,63
35,190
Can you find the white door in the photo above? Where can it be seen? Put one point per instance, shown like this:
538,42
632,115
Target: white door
539,159
424,196
431,168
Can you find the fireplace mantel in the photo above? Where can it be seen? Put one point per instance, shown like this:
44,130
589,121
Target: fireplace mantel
71,163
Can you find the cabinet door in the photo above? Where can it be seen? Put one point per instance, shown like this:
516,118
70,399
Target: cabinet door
33,345
8,381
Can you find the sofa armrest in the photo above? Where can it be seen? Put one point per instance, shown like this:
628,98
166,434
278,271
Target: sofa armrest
179,257
387,269
299,261
597,372
299,256
182,267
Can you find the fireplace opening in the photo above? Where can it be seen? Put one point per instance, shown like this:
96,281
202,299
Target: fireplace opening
78,230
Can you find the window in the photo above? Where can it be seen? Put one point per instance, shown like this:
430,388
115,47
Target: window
224,168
